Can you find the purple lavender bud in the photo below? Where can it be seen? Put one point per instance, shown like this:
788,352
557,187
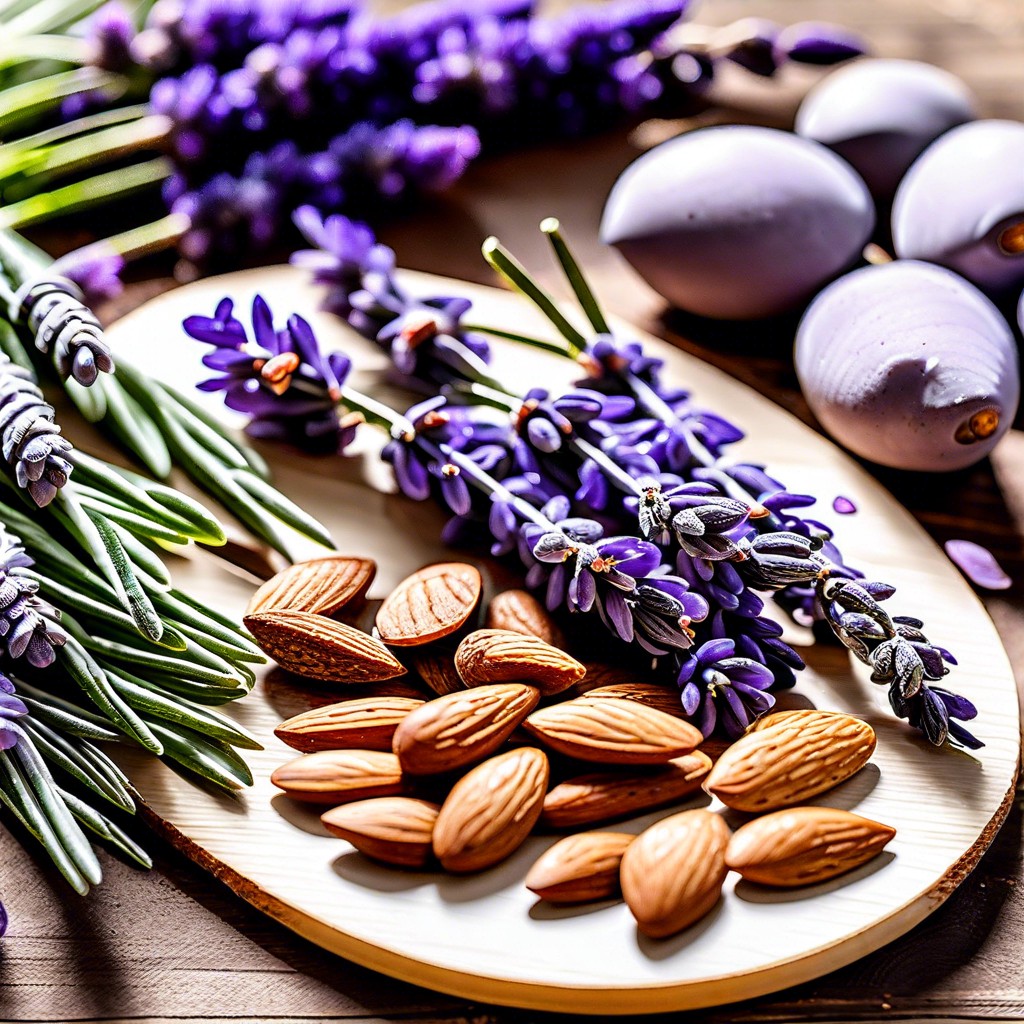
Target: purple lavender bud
811,42
28,626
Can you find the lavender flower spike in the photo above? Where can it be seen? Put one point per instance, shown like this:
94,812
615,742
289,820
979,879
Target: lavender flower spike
28,626
30,441
54,310
11,707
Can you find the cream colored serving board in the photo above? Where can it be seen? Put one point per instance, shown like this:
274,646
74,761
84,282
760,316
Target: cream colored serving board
486,937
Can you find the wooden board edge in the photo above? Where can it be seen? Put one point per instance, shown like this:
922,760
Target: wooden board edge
587,999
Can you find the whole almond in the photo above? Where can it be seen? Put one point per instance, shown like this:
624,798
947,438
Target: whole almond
521,612
340,776
672,874
612,731
790,760
437,669
491,810
580,868
502,655
320,586
605,796
804,845
663,698
393,829
460,728
600,674
799,716
367,723
429,604
320,648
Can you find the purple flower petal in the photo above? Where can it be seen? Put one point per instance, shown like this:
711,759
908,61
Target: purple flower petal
843,506
978,564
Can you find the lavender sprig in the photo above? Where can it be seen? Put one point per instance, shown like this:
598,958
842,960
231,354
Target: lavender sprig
28,626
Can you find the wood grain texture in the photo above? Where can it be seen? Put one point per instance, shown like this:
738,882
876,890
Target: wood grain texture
175,944
483,937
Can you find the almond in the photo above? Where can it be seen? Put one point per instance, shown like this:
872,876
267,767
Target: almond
437,669
521,612
804,845
393,829
367,723
340,776
502,655
320,648
600,674
580,868
605,796
672,874
663,698
429,604
460,728
320,586
612,731
789,760
491,810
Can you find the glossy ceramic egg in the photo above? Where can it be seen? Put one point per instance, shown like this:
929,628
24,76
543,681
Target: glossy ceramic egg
738,222
962,205
909,365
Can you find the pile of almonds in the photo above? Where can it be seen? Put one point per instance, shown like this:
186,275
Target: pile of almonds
462,778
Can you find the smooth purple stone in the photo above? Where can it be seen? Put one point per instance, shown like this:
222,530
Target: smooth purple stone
738,222
958,199
978,564
897,361
880,115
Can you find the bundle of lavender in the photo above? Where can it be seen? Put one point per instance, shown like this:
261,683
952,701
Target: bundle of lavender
618,497
96,643
244,111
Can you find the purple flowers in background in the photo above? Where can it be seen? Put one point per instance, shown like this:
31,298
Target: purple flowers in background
278,377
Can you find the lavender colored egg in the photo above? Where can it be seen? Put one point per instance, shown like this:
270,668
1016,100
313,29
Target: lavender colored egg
962,205
737,222
880,115
909,365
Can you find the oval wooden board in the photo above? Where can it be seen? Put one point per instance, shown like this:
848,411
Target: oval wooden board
485,937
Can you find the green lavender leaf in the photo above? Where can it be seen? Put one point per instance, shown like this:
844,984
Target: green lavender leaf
68,756
21,103
207,623
43,786
575,276
64,715
84,670
177,711
146,564
214,761
133,426
17,796
106,829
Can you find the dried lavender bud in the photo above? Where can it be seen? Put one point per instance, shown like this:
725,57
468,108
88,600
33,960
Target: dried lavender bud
11,707
29,439
54,310
28,626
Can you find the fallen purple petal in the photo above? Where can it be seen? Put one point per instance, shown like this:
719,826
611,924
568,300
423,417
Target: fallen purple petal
843,506
978,564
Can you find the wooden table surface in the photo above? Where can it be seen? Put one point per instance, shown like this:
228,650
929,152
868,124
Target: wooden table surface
175,945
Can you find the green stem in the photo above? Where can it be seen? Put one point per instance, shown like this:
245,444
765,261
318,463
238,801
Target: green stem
85,151
83,194
48,15
513,272
21,103
63,49
149,238
377,413
555,347
70,129
587,300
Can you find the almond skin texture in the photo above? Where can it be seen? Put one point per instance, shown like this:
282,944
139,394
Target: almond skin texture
340,776
437,670
790,760
650,694
320,648
429,604
502,655
521,612
367,723
491,810
461,728
610,730
605,796
321,586
804,845
581,868
672,874
393,829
